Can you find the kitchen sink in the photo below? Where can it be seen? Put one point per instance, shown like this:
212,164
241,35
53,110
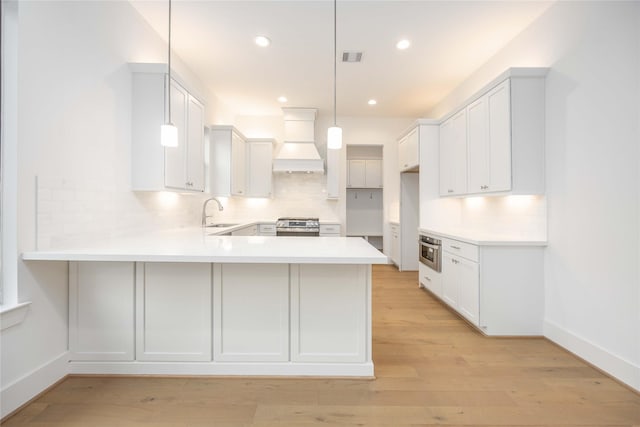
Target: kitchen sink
220,225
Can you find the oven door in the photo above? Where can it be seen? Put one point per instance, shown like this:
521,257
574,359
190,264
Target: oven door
430,255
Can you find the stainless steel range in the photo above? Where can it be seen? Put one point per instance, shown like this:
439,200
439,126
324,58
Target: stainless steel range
298,227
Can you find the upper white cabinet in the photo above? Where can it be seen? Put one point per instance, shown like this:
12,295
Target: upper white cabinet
365,173
409,151
453,155
333,174
226,161
500,136
259,167
156,168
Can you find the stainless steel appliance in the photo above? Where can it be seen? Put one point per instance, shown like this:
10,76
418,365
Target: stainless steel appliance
430,252
298,227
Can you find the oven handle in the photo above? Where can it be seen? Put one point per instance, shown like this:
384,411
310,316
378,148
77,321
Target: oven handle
429,245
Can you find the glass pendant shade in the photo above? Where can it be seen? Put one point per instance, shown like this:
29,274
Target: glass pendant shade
334,138
168,135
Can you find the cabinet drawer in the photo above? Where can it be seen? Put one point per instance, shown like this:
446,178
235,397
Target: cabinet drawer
465,250
430,279
267,229
329,229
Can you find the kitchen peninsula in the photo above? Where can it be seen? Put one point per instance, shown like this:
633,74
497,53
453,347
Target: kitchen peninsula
184,302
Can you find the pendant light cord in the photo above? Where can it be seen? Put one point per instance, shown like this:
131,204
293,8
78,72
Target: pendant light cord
169,66
335,54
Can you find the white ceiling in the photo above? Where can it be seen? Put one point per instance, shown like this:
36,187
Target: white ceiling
450,40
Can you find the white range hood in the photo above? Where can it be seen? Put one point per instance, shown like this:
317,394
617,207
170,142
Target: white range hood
298,152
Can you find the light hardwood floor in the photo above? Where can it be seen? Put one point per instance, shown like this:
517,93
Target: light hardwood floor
431,368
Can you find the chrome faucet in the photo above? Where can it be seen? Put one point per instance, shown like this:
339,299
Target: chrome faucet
204,209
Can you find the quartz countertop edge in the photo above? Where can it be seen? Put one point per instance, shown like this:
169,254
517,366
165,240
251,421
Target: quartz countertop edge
194,245
483,238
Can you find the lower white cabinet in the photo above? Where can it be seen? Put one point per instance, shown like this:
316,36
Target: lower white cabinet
461,285
101,311
499,289
395,244
251,306
329,316
173,312
430,279
330,230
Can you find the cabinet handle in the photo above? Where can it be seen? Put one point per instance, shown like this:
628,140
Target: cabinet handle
428,280
449,191
455,247
406,164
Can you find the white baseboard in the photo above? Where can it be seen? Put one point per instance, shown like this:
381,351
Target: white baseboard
621,369
29,386
226,368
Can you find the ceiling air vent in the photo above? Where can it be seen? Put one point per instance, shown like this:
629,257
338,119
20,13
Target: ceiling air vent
351,56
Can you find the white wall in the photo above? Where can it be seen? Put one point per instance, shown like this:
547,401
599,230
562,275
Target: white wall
74,118
592,282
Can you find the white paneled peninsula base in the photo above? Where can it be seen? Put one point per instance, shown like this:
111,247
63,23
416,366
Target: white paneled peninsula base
188,304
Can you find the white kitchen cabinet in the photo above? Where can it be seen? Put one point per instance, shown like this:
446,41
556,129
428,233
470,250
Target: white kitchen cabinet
497,288
395,244
489,141
430,279
330,230
173,312
341,307
365,173
453,155
227,157
101,311
502,136
259,167
157,168
409,151
251,305
265,229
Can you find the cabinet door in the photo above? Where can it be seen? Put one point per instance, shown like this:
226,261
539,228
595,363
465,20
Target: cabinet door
468,289
237,165
449,280
478,146
373,173
395,245
446,158
173,312
408,151
459,153
499,123
195,146
101,310
259,169
329,312
252,312
175,157
357,174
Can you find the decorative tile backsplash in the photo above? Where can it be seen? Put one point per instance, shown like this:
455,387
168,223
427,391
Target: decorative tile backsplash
73,213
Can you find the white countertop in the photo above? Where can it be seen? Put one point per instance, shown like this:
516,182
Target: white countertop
194,245
482,238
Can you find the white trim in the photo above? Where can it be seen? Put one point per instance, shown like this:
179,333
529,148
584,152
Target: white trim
21,391
364,369
12,315
623,370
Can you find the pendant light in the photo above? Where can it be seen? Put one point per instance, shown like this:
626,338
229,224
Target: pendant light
334,134
168,132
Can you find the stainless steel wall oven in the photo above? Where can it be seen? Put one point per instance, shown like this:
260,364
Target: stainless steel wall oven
430,252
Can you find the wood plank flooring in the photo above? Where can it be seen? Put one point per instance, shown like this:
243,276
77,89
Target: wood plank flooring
431,367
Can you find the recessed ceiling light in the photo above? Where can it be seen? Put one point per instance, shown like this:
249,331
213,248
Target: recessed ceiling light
403,44
372,102
262,41
282,99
